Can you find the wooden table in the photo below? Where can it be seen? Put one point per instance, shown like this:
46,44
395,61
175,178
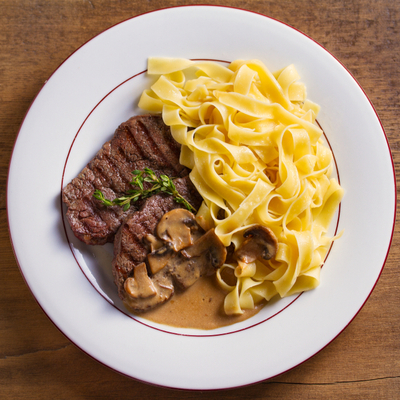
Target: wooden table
37,361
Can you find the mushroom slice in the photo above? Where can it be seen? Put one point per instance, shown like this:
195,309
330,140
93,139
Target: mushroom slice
159,258
209,247
202,258
178,227
153,242
164,289
140,286
260,244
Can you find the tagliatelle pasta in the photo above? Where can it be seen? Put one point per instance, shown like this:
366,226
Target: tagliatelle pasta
251,140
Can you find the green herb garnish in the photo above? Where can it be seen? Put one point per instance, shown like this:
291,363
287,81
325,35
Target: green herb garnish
162,184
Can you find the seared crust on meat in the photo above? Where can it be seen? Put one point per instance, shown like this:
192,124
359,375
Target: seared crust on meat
142,141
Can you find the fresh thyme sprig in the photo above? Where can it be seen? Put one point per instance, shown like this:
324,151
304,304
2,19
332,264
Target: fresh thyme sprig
162,184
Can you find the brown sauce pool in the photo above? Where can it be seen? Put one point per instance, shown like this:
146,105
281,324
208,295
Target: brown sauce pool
199,307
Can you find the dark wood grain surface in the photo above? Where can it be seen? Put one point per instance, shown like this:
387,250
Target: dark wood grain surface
37,361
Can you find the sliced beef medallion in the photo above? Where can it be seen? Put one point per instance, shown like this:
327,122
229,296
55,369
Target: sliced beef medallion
142,141
131,244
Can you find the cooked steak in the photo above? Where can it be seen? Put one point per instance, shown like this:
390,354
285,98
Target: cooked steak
142,141
130,245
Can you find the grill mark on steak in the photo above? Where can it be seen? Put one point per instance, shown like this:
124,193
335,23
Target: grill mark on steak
154,148
161,149
102,179
135,146
123,161
117,179
132,243
110,171
142,141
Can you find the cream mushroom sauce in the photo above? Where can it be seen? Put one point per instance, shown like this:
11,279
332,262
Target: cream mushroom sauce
177,286
184,253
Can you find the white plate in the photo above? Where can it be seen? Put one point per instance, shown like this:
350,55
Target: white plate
79,108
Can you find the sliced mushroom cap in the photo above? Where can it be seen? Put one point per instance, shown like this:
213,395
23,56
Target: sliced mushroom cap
153,242
210,248
260,244
164,289
159,258
140,286
178,227
202,258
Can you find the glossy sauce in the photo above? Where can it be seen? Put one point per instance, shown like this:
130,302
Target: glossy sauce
199,307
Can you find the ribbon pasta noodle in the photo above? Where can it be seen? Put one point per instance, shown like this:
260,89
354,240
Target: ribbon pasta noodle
257,157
